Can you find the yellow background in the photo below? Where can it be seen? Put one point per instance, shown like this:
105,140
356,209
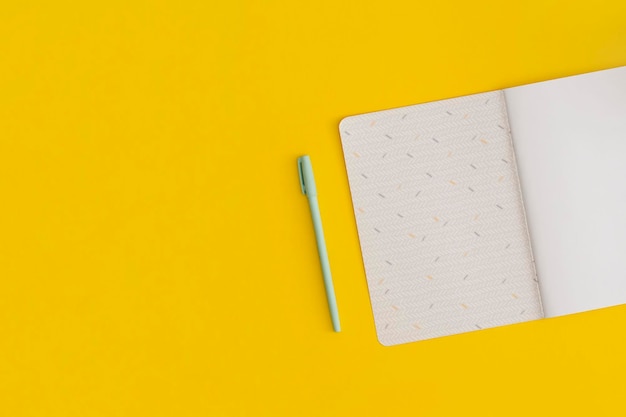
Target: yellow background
157,257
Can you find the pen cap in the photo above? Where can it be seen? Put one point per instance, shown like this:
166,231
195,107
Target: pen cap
307,181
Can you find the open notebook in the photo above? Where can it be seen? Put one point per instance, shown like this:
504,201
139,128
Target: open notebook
450,195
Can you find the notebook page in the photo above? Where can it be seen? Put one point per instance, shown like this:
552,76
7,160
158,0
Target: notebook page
570,138
440,218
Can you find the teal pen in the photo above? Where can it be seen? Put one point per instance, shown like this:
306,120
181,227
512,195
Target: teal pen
307,182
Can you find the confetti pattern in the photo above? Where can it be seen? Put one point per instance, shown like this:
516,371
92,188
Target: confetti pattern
440,218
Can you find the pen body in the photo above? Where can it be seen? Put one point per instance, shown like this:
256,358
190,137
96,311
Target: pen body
323,254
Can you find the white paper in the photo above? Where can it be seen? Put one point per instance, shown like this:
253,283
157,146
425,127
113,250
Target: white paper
569,136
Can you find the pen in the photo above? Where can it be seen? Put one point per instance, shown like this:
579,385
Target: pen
307,182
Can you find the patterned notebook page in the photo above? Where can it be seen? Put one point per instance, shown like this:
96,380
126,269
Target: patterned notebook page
440,218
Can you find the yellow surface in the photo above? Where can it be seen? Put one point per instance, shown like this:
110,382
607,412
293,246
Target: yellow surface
157,257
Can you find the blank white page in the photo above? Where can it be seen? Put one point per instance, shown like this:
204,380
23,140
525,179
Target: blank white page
569,136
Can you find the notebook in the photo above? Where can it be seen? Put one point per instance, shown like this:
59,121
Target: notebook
493,208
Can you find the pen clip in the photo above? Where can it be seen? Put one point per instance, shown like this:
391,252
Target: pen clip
301,175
